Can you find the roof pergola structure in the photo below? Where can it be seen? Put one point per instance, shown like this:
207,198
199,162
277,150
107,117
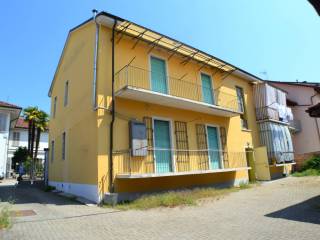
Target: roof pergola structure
174,47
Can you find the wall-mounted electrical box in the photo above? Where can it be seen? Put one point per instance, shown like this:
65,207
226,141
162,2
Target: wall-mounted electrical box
138,138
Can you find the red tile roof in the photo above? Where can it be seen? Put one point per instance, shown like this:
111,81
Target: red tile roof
8,105
21,123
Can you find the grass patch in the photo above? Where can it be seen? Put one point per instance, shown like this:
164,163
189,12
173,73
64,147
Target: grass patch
177,198
308,172
310,168
5,219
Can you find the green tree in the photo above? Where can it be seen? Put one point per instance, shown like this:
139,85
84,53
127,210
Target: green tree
41,125
30,114
19,156
37,123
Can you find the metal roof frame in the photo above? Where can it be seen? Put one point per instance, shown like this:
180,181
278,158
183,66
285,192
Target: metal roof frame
173,46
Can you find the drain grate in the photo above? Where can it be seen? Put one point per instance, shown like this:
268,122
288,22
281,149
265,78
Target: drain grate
22,213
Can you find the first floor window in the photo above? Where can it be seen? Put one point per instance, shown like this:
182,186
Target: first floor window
52,151
3,122
66,93
242,108
54,107
16,139
64,145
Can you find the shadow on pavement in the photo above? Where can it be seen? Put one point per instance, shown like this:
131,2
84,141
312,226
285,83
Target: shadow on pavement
307,211
26,193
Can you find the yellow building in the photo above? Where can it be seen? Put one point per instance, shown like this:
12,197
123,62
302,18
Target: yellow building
135,111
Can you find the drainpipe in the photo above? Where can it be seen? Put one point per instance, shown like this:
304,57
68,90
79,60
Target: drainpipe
111,187
95,60
315,119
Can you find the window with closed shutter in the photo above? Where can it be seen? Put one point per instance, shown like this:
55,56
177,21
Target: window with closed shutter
149,161
182,145
223,139
203,160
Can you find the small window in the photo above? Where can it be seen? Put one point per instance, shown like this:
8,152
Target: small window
242,108
3,122
54,106
52,151
66,93
16,139
64,145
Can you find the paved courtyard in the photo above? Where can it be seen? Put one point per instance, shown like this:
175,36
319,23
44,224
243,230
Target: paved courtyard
283,209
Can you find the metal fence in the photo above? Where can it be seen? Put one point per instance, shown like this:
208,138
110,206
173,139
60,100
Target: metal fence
141,78
295,125
172,160
280,157
264,113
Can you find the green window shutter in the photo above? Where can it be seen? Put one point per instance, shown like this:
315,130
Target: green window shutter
158,75
182,143
149,164
207,91
223,139
203,163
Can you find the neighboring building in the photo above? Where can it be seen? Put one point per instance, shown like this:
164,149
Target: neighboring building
18,137
306,135
273,119
141,112
9,113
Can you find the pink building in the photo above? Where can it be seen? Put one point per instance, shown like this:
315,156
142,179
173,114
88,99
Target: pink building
306,130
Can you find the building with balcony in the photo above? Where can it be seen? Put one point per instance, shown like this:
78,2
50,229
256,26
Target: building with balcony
306,130
135,111
276,125
9,114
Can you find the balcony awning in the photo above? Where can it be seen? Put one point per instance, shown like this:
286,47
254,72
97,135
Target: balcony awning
153,38
143,95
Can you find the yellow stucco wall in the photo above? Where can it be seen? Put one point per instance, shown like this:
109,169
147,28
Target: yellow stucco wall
77,118
88,130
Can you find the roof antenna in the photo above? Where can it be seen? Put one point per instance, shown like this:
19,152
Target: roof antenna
94,12
265,73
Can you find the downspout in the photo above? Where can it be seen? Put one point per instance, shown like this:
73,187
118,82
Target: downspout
95,60
315,119
111,187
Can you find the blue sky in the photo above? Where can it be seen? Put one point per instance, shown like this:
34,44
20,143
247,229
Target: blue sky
279,37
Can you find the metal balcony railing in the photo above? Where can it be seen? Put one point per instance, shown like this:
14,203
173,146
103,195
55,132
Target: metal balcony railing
264,113
131,76
295,125
180,161
280,157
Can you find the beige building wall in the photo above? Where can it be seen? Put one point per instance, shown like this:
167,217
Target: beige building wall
308,139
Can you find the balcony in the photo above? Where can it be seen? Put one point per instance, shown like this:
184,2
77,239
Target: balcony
135,83
295,126
182,162
272,114
266,113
